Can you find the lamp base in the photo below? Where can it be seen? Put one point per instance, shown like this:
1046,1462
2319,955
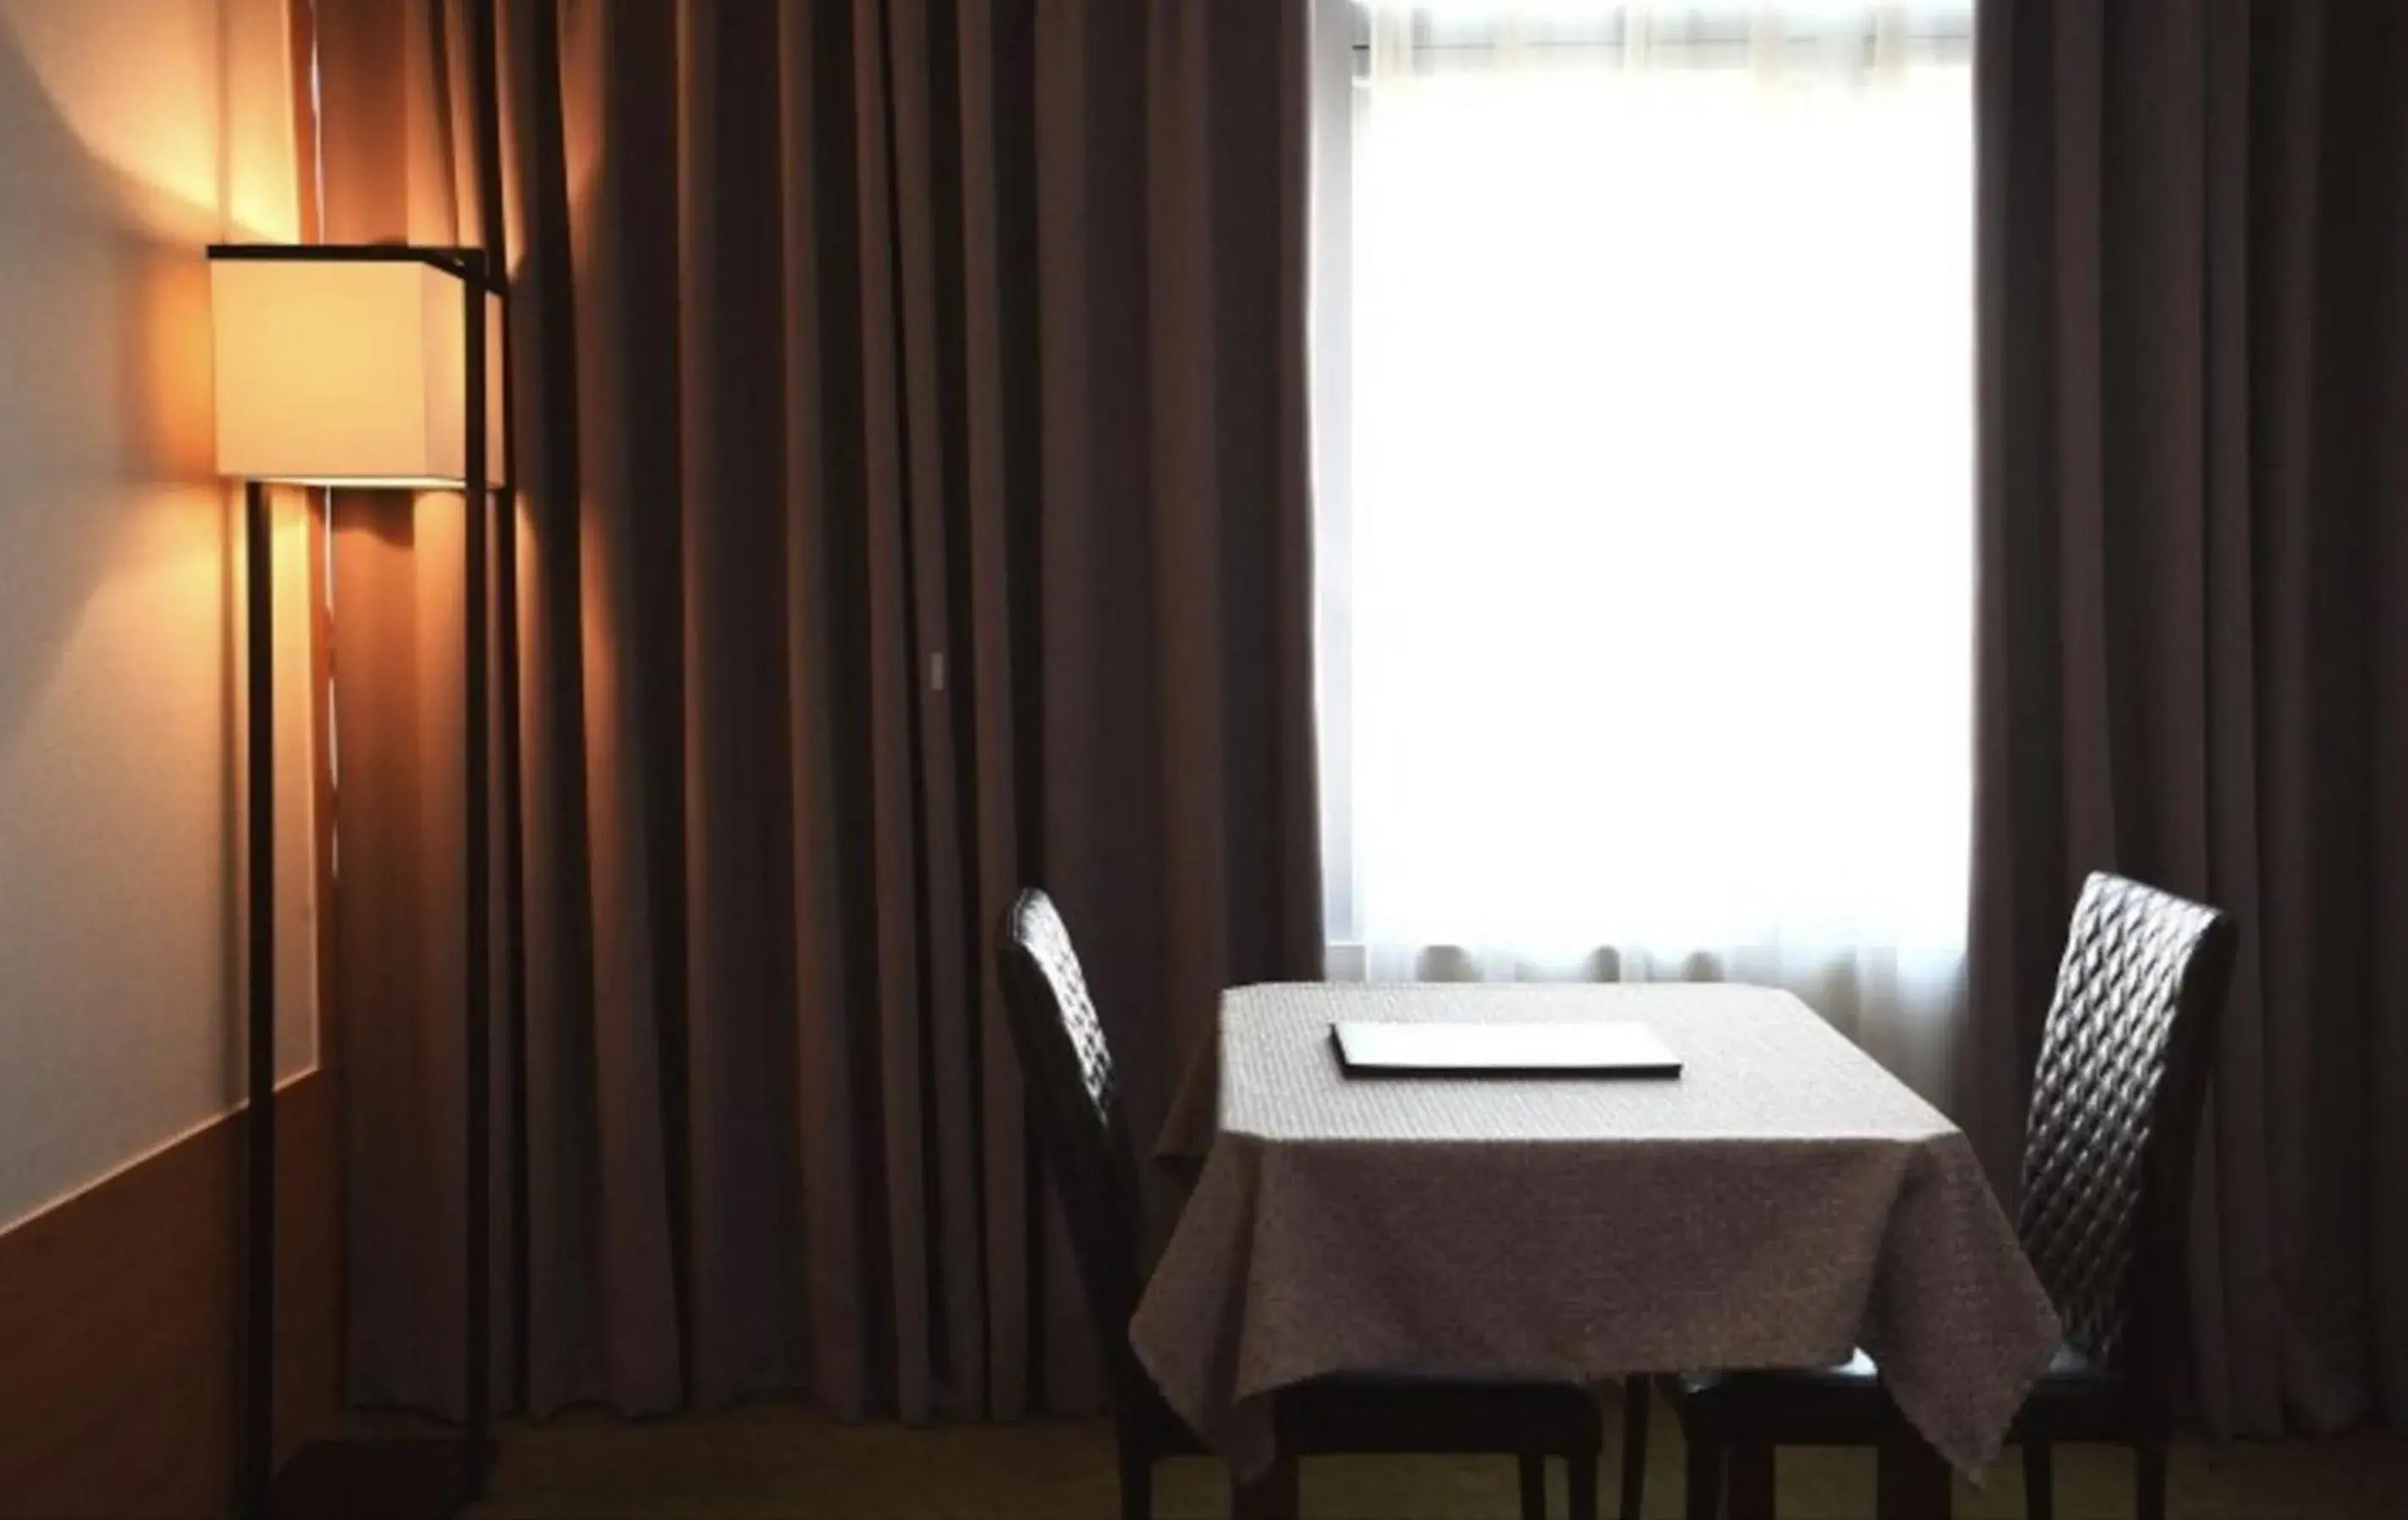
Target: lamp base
393,1478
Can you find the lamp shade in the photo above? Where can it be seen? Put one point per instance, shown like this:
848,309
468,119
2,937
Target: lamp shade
346,372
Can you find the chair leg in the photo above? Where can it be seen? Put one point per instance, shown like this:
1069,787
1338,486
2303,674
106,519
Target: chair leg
1911,1481
1533,1467
2040,1482
1634,1447
1272,1495
2149,1457
1748,1481
1704,1498
1137,1481
1581,1473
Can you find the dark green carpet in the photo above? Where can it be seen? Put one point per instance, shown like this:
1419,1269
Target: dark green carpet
775,1461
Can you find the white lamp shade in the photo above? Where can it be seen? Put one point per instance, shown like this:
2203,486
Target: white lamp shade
347,372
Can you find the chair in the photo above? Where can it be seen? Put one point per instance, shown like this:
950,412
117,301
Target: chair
2112,1131
1085,1142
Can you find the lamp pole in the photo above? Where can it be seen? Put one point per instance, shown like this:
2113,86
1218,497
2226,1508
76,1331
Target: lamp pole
259,1327
475,499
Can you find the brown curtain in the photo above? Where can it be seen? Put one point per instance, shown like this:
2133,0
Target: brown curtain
2194,617
910,433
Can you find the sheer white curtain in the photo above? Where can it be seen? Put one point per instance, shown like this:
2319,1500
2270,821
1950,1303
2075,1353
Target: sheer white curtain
1646,498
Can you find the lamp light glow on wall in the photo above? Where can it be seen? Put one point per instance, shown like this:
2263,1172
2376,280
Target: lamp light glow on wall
363,366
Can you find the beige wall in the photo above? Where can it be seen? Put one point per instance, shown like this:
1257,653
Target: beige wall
132,132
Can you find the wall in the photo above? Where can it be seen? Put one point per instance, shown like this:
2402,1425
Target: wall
136,132
119,1389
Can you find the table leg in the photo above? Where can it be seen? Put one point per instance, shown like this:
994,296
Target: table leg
1911,1481
1269,1495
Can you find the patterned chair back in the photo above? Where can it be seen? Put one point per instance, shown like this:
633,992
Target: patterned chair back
2115,1118
1083,1133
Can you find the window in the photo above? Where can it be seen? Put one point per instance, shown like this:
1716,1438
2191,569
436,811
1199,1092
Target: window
1645,458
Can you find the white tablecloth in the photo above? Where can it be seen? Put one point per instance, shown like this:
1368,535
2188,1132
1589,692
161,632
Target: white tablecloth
1783,1199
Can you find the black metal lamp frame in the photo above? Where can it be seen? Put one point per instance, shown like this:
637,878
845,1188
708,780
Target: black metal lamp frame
396,1477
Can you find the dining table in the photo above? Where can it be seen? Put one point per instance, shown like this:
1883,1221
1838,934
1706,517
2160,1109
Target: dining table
1779,1201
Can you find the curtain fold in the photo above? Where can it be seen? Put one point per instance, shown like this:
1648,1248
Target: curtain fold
910,430
392,172
2193,655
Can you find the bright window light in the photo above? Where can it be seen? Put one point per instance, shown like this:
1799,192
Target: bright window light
1647,575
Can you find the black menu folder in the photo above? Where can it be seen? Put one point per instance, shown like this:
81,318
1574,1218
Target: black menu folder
1617,1048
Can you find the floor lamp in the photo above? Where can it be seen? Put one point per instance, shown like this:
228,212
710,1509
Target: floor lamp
358,365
